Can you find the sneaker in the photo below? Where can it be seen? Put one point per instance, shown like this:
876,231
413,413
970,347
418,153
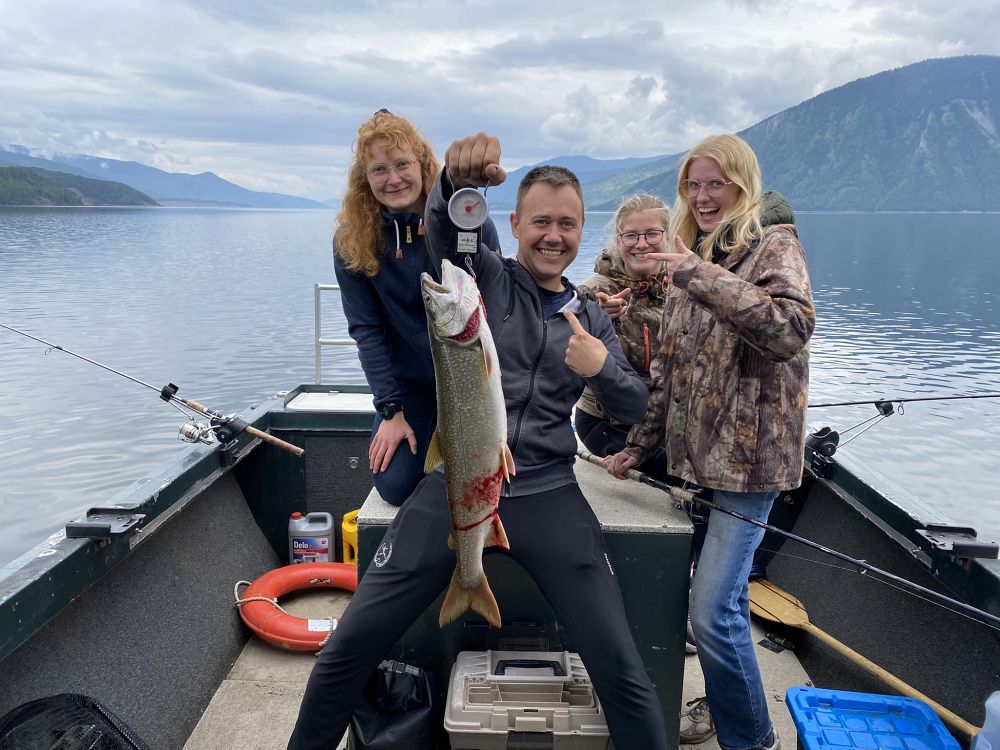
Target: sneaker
774,744
696,723
690,644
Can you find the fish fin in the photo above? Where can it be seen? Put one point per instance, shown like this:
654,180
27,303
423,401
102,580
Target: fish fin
459,600
496,536
507,463
434,458
451,540
488,362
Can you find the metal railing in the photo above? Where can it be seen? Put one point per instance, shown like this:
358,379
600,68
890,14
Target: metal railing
320,341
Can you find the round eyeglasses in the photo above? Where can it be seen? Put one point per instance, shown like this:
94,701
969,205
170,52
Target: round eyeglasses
714,187
380,172
653,237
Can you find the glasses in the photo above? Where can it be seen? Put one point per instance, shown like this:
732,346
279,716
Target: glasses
653,237
714,187
380,172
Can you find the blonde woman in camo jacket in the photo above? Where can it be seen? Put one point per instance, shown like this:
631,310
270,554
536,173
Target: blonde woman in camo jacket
728,399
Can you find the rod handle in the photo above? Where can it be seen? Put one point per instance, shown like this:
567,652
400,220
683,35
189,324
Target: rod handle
678,494
259,434
275,441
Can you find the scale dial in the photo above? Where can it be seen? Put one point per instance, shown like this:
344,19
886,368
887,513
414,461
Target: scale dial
468,209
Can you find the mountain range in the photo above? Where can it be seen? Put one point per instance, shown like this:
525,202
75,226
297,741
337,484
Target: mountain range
925,137
166,188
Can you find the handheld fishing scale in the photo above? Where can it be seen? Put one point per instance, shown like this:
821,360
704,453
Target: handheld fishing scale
468,209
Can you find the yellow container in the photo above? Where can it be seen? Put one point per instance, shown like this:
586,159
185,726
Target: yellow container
349,529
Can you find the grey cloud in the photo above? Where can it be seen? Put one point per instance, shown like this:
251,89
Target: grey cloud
302,14
258,88
564,48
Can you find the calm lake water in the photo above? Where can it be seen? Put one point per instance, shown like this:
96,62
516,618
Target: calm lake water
221,303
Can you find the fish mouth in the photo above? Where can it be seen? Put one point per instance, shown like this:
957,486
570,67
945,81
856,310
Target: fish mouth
470,329
428,283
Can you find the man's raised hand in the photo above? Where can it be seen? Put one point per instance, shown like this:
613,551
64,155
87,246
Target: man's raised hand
474,162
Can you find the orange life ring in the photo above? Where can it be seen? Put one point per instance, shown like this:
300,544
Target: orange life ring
260,610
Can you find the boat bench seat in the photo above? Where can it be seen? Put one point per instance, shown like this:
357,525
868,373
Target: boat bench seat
620,506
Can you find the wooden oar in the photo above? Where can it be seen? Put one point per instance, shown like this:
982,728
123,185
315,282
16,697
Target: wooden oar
770,602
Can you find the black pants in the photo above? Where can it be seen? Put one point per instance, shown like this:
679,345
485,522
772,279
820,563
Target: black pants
555,536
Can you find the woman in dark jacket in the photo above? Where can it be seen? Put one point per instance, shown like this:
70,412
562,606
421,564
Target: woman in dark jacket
379,254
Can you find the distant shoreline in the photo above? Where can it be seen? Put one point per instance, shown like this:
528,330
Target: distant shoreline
221,207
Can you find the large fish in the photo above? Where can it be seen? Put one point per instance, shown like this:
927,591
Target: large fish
471,435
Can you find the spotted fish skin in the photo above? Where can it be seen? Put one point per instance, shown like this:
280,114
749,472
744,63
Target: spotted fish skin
471,435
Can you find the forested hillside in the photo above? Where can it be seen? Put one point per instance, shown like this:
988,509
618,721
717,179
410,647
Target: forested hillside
30,186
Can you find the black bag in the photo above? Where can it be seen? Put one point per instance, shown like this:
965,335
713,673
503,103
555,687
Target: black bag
66,722
397,712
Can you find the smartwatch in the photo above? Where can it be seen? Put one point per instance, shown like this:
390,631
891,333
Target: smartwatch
388,410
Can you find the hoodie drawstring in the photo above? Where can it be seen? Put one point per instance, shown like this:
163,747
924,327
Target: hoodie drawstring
409,236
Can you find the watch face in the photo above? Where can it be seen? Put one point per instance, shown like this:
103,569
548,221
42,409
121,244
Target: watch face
386,411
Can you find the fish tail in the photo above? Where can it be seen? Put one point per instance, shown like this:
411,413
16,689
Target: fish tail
459,600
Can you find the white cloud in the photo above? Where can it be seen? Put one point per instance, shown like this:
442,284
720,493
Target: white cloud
270,97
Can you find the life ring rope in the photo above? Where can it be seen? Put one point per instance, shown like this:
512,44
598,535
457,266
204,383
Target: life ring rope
285,629
236,595
274,602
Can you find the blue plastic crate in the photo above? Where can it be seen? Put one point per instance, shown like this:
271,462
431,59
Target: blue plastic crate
835,719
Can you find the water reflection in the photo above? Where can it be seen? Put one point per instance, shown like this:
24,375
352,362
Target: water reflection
221,303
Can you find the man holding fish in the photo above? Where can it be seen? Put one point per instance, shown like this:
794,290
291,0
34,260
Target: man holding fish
534,341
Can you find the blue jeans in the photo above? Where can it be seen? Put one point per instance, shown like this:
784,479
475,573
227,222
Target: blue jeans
405,471
720,617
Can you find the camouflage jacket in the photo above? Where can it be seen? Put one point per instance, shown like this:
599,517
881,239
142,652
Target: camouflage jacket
638,327
730,386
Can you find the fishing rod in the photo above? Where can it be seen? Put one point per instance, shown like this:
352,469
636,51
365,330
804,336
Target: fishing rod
879,401
222,428
686,497
885,409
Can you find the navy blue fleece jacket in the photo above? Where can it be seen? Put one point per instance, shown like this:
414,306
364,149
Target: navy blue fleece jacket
385,312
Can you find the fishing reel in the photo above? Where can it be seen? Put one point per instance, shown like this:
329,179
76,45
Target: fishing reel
222,430
823,444
194,431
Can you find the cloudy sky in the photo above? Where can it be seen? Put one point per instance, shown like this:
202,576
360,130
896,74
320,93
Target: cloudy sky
271,97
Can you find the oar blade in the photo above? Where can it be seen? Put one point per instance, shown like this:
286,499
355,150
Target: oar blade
773,603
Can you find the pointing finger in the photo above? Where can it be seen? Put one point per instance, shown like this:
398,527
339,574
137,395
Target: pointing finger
575,324
623,294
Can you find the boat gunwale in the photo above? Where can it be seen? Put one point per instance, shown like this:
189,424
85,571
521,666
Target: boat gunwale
33,583
33,588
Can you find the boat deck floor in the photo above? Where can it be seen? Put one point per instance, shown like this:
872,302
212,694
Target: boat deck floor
256,705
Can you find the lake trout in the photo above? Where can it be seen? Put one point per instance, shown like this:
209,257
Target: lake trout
471,435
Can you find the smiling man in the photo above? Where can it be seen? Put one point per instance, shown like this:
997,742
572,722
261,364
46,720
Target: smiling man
551,343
